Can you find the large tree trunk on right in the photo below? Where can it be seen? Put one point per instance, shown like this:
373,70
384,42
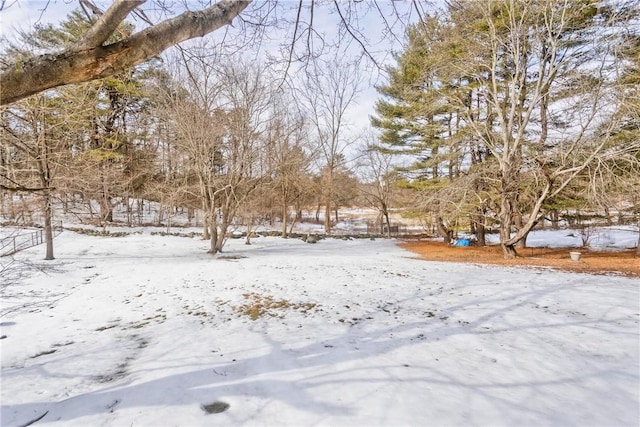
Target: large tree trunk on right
638,244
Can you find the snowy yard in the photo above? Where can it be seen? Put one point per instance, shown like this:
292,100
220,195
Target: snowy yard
149,330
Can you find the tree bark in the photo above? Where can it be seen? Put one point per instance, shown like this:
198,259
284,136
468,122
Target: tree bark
327,217
555,220
638,244
48,230
480,231
82,63
517,219
443,230
213,233
385,214
107,23
508,210
284,220
509,250
506,221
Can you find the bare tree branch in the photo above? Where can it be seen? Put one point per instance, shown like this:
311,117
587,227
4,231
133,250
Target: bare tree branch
107,23
19,187
356,38
293,44
73,66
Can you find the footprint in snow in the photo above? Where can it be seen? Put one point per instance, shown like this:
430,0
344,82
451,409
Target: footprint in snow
215,407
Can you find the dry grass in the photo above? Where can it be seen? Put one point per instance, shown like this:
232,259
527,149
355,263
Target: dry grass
257,306
625,263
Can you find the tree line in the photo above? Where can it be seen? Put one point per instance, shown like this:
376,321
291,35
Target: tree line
502,115
193,132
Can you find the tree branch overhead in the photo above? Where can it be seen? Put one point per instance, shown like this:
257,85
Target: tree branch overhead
89,60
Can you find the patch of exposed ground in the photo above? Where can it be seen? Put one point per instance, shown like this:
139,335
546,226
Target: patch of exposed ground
257,305
625,262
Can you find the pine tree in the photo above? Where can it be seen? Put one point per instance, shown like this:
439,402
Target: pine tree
530,83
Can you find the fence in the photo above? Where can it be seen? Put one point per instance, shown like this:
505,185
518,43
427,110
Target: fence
374,228
12,244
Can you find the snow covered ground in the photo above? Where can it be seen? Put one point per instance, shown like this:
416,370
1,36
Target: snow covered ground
149,330
597,238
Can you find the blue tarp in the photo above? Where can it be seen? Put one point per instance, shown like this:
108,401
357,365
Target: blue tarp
462,242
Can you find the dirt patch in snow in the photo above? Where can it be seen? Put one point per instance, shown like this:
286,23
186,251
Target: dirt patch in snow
257,305
625,263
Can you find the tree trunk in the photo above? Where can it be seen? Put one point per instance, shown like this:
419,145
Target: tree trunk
638,244
213,233
222,233
481,236
444,232
388,221
506,215
327,217
127,202
293,223
555,220
385,215
284,220
190,215
205,221
506,220
509,251
48,231
250,224
522,243
106,211
65,203
205,229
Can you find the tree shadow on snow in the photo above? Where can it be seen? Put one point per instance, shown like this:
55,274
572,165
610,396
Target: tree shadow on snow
340,360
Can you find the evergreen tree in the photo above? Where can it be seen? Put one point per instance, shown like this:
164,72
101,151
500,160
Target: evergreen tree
530,83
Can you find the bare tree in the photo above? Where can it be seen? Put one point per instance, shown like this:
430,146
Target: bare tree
219,130
330,87
34,138
379,177
287,159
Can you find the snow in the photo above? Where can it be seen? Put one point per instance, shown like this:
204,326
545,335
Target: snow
597,238
147,330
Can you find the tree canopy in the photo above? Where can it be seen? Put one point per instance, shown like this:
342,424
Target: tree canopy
519,98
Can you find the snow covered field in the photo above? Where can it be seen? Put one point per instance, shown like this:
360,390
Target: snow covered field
150,330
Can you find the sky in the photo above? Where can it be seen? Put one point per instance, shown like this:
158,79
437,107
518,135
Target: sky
149,330
24,14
